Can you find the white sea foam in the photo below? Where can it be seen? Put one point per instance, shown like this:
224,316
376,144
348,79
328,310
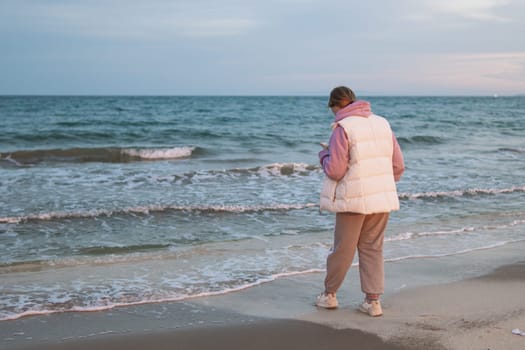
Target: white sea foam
160,153
460,252
57,215
177,253
460,193
180,297
401,237
273,169
414,235
287,168
152,299
8,158
464,230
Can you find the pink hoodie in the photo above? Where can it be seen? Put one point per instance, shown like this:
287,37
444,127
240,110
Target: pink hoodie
336,158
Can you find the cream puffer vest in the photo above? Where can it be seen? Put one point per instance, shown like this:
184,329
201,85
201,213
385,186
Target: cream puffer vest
368,186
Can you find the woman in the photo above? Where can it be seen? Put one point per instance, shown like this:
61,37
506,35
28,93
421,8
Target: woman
362,163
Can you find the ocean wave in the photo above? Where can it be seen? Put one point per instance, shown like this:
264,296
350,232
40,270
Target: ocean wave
459,252
460,193
463,230
512,150
288,168
269,170
233,209
65,304
10,161
159,153
108,250
107,155
104,255
421,140
275,169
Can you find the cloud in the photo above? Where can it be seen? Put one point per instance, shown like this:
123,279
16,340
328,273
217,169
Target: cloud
214,27
273,46
415,74
479,73
139,19
480,10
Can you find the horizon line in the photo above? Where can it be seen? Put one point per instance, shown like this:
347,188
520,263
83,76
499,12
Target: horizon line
258,95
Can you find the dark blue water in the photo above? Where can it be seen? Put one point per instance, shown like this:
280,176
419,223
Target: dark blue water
118,200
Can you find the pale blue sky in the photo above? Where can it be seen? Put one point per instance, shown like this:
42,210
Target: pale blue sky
268,47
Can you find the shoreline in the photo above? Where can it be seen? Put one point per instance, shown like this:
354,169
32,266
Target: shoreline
258,283
467,301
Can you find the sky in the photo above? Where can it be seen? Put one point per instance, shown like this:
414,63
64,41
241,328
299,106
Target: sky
263,47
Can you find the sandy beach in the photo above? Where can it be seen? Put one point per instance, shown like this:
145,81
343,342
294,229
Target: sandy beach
469,301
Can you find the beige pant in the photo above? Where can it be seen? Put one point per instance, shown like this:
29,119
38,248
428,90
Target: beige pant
366,233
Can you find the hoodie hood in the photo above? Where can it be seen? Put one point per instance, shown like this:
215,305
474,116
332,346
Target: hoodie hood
359,108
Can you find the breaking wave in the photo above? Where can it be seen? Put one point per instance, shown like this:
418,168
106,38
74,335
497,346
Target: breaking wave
106,155
460,193
60,215
236,209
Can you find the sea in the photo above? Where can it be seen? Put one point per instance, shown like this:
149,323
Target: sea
109,201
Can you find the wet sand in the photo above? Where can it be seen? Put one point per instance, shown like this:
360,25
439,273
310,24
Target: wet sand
260,335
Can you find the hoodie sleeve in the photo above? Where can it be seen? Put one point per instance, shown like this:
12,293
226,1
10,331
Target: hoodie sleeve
398,162
335,159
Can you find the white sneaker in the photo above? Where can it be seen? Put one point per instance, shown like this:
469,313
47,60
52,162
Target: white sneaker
327,301
372,308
